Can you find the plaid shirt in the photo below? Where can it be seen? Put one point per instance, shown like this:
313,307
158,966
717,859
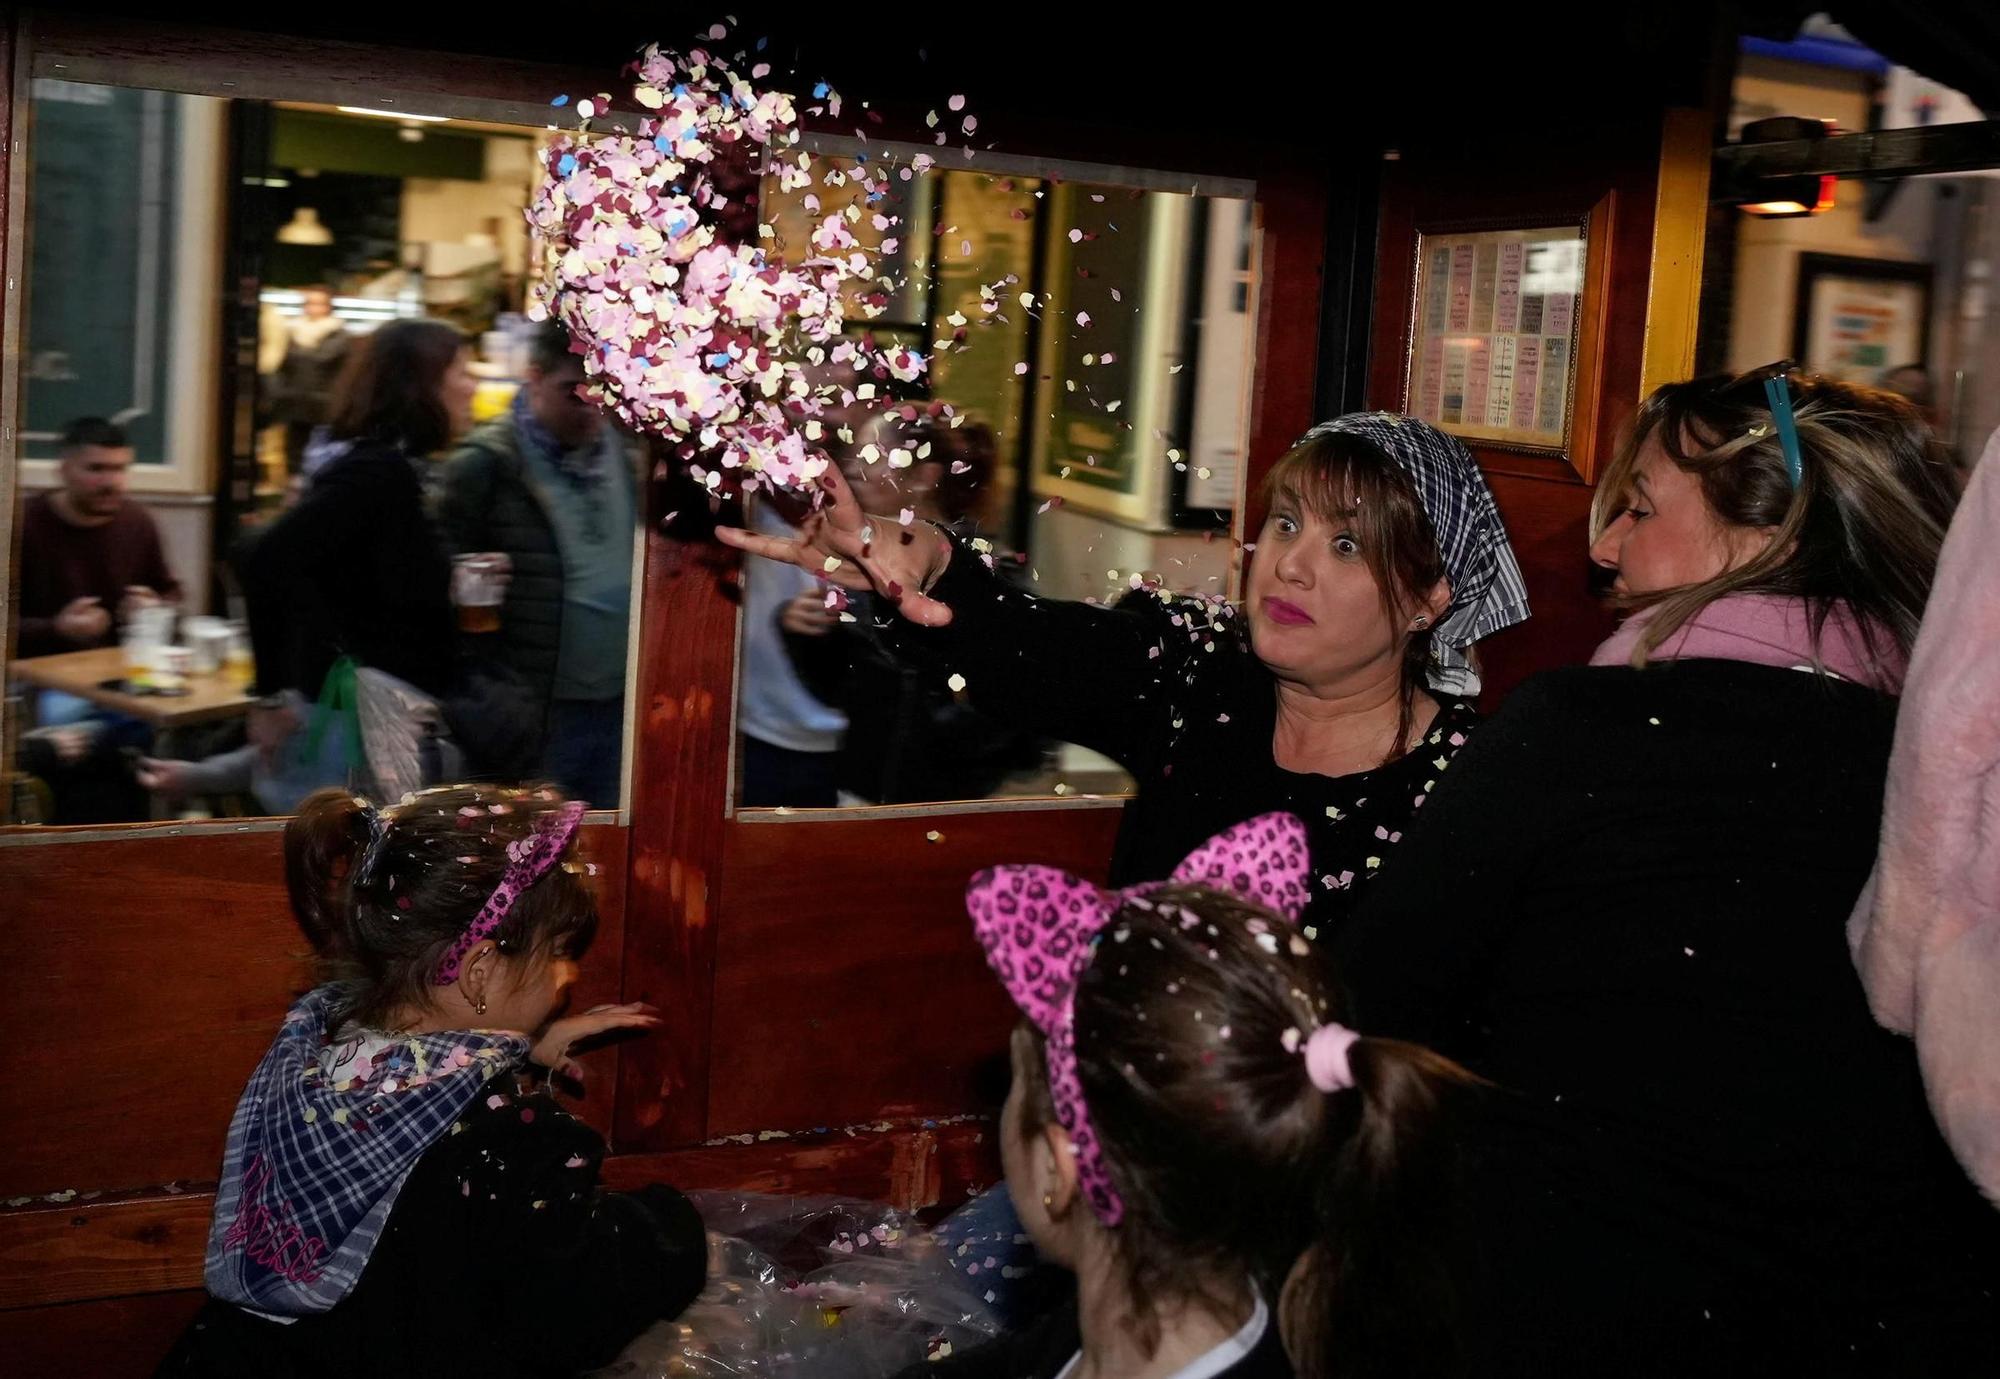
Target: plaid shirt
317,1155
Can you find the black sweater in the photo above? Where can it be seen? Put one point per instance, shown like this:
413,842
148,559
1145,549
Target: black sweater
1627,909
1172,691
355,569
502,1259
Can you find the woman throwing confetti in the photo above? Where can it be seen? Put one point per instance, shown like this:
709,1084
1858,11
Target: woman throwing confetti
1339,690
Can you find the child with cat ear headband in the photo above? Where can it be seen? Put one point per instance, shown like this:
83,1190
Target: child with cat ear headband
1239,1179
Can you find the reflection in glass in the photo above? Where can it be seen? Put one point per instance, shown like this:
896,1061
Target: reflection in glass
1084,420
376,540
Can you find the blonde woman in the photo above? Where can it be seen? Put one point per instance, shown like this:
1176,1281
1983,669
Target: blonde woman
1625,907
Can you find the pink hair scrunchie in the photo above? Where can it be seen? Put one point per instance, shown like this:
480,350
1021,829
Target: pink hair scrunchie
1326,1057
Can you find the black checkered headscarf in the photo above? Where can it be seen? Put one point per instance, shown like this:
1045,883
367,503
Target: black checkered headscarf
1487,592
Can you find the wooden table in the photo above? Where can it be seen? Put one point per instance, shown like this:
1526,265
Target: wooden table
210,696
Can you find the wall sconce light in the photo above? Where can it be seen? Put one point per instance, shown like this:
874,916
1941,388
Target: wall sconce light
1792,196
1775,198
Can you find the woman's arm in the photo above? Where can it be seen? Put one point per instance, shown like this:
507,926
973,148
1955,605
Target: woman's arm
1076,672
1073,671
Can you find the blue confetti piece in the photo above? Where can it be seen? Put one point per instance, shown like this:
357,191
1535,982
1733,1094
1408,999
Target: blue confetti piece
663,144
719,360
567,164
819,91
560,100
762,44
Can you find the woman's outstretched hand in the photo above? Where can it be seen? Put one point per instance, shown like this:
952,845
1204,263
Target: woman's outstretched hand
857,550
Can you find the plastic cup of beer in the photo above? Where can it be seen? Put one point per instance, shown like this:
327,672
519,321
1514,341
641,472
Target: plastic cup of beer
478,584
238,664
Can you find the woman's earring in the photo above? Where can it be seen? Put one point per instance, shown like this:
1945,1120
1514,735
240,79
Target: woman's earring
479,1009
1048,1201
1423,622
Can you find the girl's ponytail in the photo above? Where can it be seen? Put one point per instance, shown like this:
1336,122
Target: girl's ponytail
323,844
1373,1296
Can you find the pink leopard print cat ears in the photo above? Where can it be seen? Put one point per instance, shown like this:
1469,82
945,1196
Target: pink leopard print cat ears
1038,926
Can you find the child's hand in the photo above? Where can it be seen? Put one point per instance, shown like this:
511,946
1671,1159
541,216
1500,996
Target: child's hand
551,1051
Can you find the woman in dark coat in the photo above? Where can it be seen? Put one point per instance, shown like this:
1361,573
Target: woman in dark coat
1626,908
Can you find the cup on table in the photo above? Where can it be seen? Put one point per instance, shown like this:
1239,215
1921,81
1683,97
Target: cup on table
153,625
238,663
171,667
478,585
208,638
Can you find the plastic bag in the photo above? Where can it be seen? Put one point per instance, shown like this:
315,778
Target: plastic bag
401,731
812,1286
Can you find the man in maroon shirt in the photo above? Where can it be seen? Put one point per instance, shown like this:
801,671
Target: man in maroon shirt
88,557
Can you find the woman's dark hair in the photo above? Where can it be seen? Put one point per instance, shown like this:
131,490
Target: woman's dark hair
1863,529
392,387
381,894
1348,481
1230,1161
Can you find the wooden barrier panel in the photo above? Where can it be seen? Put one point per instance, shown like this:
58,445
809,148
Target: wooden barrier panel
57,1252
146,974
848,984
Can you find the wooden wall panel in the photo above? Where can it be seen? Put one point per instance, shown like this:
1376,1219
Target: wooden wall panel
146,975
680,783
111,1338
53,1254
99,1251
848,985
1291,263
1613,164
